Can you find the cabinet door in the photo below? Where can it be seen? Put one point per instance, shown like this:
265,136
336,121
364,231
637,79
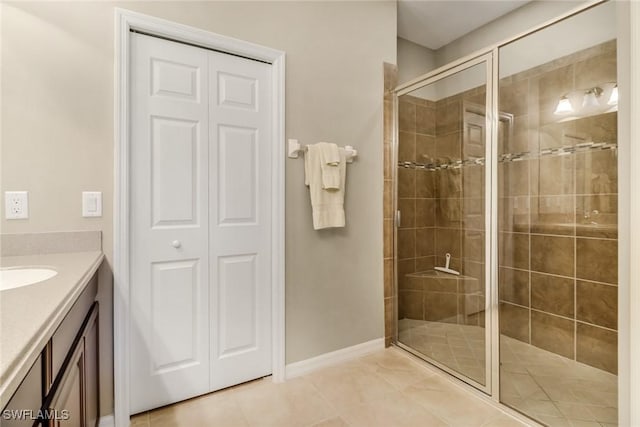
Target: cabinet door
67,406
91,370
26,401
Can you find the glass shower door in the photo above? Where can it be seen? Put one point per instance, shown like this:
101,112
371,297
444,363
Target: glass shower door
558,199
442,223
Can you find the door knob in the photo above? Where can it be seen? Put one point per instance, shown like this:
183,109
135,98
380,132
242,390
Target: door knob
176,244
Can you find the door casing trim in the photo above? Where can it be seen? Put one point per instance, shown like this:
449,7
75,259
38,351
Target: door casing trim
125,21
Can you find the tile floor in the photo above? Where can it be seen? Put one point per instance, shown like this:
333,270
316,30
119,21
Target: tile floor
552,389
387,389
460,347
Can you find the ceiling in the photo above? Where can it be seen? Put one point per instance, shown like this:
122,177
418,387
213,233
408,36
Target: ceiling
435,23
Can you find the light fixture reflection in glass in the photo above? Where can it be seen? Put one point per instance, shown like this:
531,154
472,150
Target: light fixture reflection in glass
563,107
590,101
613,98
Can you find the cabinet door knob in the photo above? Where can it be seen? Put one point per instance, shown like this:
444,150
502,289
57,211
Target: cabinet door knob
176,244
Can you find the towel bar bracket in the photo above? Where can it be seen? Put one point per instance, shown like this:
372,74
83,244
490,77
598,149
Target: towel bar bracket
294,150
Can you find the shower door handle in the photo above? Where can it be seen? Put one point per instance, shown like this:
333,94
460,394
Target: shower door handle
398,218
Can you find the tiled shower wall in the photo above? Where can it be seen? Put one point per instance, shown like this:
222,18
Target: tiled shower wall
558,214
390,81
442,210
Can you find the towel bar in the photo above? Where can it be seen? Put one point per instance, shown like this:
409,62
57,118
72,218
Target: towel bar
295,149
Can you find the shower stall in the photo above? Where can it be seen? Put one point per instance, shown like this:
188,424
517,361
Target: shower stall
505,203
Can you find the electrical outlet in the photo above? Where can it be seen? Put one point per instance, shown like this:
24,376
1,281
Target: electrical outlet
16,204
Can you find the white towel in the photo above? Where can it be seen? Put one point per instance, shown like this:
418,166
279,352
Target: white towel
327,205
329,165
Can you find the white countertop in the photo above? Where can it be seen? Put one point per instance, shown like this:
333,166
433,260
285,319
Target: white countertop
30,315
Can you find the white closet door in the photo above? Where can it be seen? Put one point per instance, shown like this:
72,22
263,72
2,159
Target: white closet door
240,218
169,223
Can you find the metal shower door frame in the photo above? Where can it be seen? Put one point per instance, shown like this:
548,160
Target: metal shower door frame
489,59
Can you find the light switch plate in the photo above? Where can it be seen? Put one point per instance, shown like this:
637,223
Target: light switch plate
91,204
16,204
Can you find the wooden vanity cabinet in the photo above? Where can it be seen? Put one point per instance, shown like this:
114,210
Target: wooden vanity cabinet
73,398
25,403
61,388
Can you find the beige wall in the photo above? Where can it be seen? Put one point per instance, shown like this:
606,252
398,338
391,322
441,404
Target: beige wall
57,140
509,25
414,60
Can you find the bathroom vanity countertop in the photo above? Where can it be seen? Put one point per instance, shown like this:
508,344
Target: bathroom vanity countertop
29,315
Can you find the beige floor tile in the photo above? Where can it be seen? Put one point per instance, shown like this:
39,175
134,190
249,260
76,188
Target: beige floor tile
332,422
399,371
296,402
452,404
576,423
202,412
349,385
503,421
392,410
392,389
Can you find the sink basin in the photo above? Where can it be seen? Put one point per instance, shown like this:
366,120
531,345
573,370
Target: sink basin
11,278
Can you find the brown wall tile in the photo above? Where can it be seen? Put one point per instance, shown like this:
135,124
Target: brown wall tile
473,213
552,294
425,184
597,260
552,175
449,212
413,283
552,333
405,266
552,254
406,182
406,116
596,70
514,250
426,120
441,306
410,305
513,178
513,214
425,212
597,304
425,148
514,322
387,233
549,85
389,320
448,241
406,146
425,241
441,282
513,97
475,271
387,167
425,263
597,216
473,184
407,208
597,172
448,146
473,245
597,347
406,243
388,277
553,215
513,286
387,202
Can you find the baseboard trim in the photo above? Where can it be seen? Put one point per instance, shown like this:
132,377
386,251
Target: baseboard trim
107,421
302,367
